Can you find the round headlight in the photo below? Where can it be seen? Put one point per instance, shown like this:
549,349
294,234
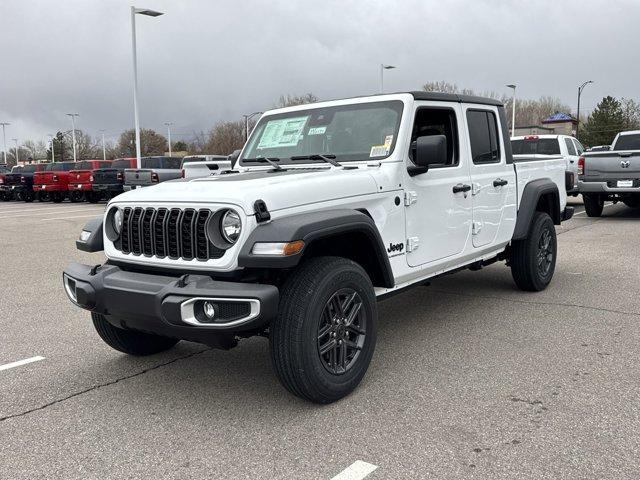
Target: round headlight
230,226
117,221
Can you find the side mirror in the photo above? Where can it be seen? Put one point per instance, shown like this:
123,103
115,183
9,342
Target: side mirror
429,150
233,158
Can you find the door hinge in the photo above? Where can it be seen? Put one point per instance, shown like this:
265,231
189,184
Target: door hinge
475,188
410,198
476,227
412,243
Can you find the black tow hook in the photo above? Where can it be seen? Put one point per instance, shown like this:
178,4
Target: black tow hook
182,281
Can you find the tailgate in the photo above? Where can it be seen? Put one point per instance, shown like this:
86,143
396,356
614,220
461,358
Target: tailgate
134,176
12,178
79,176
611,166
102,176
43,178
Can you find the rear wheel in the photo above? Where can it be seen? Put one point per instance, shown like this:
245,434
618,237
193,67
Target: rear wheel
28,197
75,197
533,259
130,341
593,204
632,202
92,197
56,197
324,336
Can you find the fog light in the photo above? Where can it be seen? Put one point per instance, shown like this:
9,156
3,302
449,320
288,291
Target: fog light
209,310
84,235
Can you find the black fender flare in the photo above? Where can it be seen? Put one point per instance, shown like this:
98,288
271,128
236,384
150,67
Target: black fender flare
94,243
310,227
531,194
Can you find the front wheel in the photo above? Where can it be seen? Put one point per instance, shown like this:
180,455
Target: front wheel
593,205
130,341
533,259
324,336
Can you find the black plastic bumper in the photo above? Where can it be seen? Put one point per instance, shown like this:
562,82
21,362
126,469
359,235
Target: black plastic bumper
108,187
152,302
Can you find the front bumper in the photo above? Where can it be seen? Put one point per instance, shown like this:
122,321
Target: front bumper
603,187
163,305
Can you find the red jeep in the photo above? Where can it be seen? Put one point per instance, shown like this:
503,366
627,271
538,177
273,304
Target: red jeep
53,182
81,179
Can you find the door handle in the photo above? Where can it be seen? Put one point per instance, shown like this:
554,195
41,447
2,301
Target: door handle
459,188
498,182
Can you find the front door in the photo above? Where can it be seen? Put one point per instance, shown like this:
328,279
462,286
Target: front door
438,210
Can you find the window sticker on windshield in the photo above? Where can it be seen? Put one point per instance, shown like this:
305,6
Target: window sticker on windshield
382,150
282,133
317,130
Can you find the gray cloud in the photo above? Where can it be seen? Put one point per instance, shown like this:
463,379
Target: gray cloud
207,61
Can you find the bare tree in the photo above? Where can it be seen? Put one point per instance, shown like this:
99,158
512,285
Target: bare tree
151,143
292,100
225,137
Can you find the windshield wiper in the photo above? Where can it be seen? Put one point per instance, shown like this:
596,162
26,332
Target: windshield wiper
329,158
271,161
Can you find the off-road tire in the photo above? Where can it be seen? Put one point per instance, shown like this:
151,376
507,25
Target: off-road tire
294,335
130,341
593,205
526,254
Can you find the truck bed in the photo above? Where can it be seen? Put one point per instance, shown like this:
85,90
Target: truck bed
533,167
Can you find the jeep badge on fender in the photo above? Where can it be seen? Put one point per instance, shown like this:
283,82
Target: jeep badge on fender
195,260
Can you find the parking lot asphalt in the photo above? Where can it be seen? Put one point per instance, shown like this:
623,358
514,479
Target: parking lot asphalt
471,377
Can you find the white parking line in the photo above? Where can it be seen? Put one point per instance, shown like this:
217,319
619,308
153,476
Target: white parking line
356,471
55,212
19,363
74,216
584,211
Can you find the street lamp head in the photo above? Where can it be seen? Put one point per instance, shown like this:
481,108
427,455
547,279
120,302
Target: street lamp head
148,13
512,86
388,67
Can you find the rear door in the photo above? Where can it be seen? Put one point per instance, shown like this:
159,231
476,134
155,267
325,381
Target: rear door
572,155
493,180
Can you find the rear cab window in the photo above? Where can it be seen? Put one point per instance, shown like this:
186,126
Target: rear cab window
535,146
627,142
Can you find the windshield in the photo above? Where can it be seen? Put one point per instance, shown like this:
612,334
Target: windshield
161,162
539,146
628,142
60,166
350,132
121,163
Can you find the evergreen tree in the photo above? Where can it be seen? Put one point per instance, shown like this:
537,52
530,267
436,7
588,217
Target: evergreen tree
604,123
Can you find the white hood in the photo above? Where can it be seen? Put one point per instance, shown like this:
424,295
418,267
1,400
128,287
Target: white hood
279,189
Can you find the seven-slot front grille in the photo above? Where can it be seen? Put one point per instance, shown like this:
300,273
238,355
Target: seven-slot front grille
167,232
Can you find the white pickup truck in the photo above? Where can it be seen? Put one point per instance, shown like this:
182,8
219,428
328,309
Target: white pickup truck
548,147
611,174
196,166
332,206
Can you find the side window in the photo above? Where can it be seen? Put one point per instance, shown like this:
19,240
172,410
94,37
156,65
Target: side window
437,121
579,147
570,147
483,135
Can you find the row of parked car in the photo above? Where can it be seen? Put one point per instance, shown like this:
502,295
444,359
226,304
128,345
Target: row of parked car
599,174
95,180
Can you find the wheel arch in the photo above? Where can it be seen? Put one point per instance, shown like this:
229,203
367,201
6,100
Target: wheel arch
345,233
540,195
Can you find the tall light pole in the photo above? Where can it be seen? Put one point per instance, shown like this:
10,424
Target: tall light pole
580,88
383,67
53,154
73,132
17,150
248,117
104,151
148,13
168,124
4,139
513,111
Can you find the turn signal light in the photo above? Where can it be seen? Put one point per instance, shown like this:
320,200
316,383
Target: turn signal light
279,249
581,166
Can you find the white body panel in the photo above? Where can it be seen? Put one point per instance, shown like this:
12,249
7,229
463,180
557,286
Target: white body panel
440,221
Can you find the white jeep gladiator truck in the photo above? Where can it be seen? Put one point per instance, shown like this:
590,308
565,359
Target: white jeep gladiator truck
331,207
611,174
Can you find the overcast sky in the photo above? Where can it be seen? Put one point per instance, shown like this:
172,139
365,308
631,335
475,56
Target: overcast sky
205,61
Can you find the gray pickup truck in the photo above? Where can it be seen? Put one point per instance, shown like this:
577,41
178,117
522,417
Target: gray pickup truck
611,175
154,170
